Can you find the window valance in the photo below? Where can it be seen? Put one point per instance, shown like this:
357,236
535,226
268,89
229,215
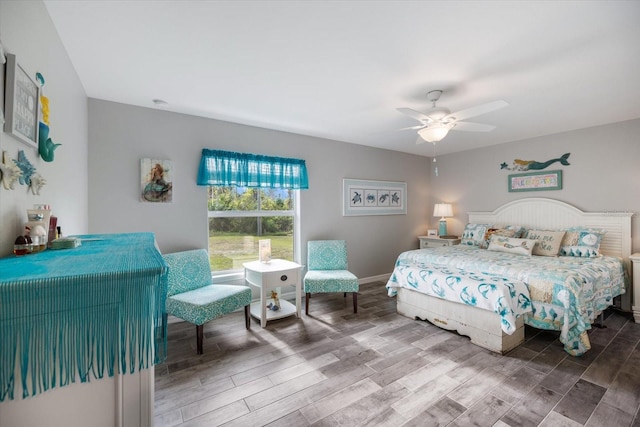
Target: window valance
224,168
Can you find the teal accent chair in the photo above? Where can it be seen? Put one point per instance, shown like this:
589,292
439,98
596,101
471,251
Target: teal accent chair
327,271
192,297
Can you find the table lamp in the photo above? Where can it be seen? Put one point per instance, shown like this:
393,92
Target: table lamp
443,210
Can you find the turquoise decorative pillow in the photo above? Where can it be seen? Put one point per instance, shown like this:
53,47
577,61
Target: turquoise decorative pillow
547,242
582,242
473,234
511,245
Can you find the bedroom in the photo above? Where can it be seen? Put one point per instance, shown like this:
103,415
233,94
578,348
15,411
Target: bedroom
103,142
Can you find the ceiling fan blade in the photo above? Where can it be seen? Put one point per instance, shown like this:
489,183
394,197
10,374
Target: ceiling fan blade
415,114
473,127
477,110
413,127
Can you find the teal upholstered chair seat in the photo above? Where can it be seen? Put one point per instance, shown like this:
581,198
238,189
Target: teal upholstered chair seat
327,271
192,297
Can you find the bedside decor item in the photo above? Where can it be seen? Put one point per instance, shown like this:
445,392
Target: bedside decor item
364,197
264,250
21,96
432,233
155,181
535,181
443,210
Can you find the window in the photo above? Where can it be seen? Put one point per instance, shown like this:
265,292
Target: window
240,216
251,197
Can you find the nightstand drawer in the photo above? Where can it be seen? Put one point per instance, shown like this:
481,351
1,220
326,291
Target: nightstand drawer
434,242
274,278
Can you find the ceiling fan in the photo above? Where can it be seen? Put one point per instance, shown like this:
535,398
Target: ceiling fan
436,122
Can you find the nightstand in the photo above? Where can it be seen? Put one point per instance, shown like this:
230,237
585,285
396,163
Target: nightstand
435,241
635,286
271,276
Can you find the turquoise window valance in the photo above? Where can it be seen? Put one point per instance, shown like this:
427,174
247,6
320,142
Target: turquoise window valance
225,168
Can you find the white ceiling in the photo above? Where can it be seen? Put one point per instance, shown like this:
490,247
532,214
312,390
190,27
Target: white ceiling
339,69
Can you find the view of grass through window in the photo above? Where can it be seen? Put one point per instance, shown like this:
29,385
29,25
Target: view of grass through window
239,217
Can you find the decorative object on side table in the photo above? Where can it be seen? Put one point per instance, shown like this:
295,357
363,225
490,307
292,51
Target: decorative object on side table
264,250
443,210
274,305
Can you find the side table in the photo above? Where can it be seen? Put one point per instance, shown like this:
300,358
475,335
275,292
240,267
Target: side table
272,275
635,286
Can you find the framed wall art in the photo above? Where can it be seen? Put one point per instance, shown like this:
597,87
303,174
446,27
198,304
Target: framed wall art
21,101
156,185
364,197
535,181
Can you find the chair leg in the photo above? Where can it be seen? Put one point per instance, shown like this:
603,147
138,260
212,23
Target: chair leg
247,317
306,302
199,337
355,302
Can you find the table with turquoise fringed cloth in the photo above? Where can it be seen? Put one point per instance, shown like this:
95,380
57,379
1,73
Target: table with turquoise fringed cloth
81,314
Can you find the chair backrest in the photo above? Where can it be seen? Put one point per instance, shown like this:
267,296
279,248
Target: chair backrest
188,270
326,255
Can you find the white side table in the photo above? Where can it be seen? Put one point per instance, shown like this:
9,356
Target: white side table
272,275
435,241
635,286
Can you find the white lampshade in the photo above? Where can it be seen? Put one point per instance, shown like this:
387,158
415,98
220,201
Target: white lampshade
434,133
442,210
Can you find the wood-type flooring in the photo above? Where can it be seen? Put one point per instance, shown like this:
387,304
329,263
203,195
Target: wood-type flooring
377,368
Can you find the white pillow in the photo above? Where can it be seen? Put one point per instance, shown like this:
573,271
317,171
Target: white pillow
511,245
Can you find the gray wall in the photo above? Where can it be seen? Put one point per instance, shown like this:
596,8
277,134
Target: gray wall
121,135
604,174
27,32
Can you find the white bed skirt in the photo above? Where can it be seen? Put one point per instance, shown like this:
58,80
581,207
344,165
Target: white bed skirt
482,326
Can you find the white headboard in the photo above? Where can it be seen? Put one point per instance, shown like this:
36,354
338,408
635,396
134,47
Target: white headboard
549,214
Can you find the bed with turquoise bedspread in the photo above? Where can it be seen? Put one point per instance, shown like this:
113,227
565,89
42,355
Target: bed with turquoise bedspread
566,293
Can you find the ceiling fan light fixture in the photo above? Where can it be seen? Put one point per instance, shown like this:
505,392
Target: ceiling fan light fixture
434,133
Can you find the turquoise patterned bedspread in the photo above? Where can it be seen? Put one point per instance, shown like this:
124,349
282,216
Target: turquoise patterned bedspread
566,293
508,298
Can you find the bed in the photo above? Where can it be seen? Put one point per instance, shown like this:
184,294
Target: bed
489,295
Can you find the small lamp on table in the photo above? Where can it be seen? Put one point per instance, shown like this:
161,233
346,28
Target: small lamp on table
443,210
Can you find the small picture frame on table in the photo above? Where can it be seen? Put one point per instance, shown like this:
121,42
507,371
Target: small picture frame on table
432,233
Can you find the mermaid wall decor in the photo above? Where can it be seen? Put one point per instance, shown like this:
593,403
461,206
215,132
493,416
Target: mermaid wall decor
526,165
46,146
